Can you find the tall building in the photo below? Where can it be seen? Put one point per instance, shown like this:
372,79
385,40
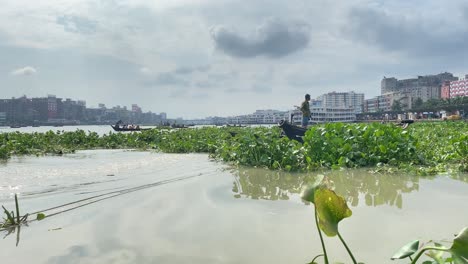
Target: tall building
343,100
445,90
459,88
2,118
424,87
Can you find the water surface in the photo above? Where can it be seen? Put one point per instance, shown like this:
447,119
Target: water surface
184,208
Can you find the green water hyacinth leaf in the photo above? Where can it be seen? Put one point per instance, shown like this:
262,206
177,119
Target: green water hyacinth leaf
331,209
308,193
407,250
40,216
459,247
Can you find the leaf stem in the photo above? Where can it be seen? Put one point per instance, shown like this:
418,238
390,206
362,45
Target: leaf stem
425,249
316,257
17,209
347,248
321,238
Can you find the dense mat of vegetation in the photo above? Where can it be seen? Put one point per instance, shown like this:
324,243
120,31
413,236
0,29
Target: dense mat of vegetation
426,147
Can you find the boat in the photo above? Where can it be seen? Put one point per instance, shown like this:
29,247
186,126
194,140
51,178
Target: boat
235,125
15,126
123,129
296,132
292,131
178,126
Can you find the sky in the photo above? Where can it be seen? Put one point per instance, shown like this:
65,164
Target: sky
199,58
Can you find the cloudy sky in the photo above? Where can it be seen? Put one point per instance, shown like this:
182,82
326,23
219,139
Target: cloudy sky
198,58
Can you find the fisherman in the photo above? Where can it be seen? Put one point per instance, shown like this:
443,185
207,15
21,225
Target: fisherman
118,123
305,109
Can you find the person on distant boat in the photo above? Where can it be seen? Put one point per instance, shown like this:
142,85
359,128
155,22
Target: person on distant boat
305,109
118,123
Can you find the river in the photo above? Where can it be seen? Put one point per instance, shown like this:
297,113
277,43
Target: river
146,207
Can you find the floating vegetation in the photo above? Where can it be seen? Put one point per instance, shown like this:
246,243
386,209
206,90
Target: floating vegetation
426,148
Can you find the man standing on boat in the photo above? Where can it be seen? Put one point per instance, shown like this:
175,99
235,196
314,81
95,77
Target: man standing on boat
305,109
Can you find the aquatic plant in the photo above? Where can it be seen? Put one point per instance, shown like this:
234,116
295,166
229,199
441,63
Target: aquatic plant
423,148
330,209
458,250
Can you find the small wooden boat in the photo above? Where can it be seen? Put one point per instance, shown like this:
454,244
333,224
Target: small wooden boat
178,126
235,125
123,129
292,131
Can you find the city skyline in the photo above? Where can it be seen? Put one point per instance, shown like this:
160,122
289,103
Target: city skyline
194,59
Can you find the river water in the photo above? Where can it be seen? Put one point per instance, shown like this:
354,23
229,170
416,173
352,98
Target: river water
100,129
145,207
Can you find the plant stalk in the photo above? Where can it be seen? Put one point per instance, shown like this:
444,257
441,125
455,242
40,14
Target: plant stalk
321,238
425,249
17,210
316,257
347,248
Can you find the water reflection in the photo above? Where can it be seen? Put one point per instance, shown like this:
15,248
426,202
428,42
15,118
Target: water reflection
371,188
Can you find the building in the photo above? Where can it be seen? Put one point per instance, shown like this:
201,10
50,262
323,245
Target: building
136,108
385,102
445,90
424,87
343,100
377,104
2,118
18,110
459,88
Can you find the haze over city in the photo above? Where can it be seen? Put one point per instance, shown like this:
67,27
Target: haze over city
202,58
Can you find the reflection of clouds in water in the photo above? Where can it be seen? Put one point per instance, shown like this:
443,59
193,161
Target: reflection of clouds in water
353,185
88,255
48,174
118,254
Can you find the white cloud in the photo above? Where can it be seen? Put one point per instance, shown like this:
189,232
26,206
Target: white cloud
28,70
146,71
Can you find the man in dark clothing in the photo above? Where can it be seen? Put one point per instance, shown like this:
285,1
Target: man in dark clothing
305,109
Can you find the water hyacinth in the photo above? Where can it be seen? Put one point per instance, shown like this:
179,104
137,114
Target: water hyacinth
426,148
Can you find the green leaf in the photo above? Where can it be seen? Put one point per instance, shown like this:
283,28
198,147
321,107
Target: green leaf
459,247
331,209
309,191
407,250
40,216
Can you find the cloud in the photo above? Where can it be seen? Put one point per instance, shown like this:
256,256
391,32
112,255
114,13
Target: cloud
145,71
275,38
76,24
189,70
415,34
261,88
168,79
25,71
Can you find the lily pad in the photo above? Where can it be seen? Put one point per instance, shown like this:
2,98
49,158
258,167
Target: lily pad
331,209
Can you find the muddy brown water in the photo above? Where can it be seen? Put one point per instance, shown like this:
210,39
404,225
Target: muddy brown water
148,207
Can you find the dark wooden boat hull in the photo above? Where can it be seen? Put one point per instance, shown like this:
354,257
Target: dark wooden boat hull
292,131
121,129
